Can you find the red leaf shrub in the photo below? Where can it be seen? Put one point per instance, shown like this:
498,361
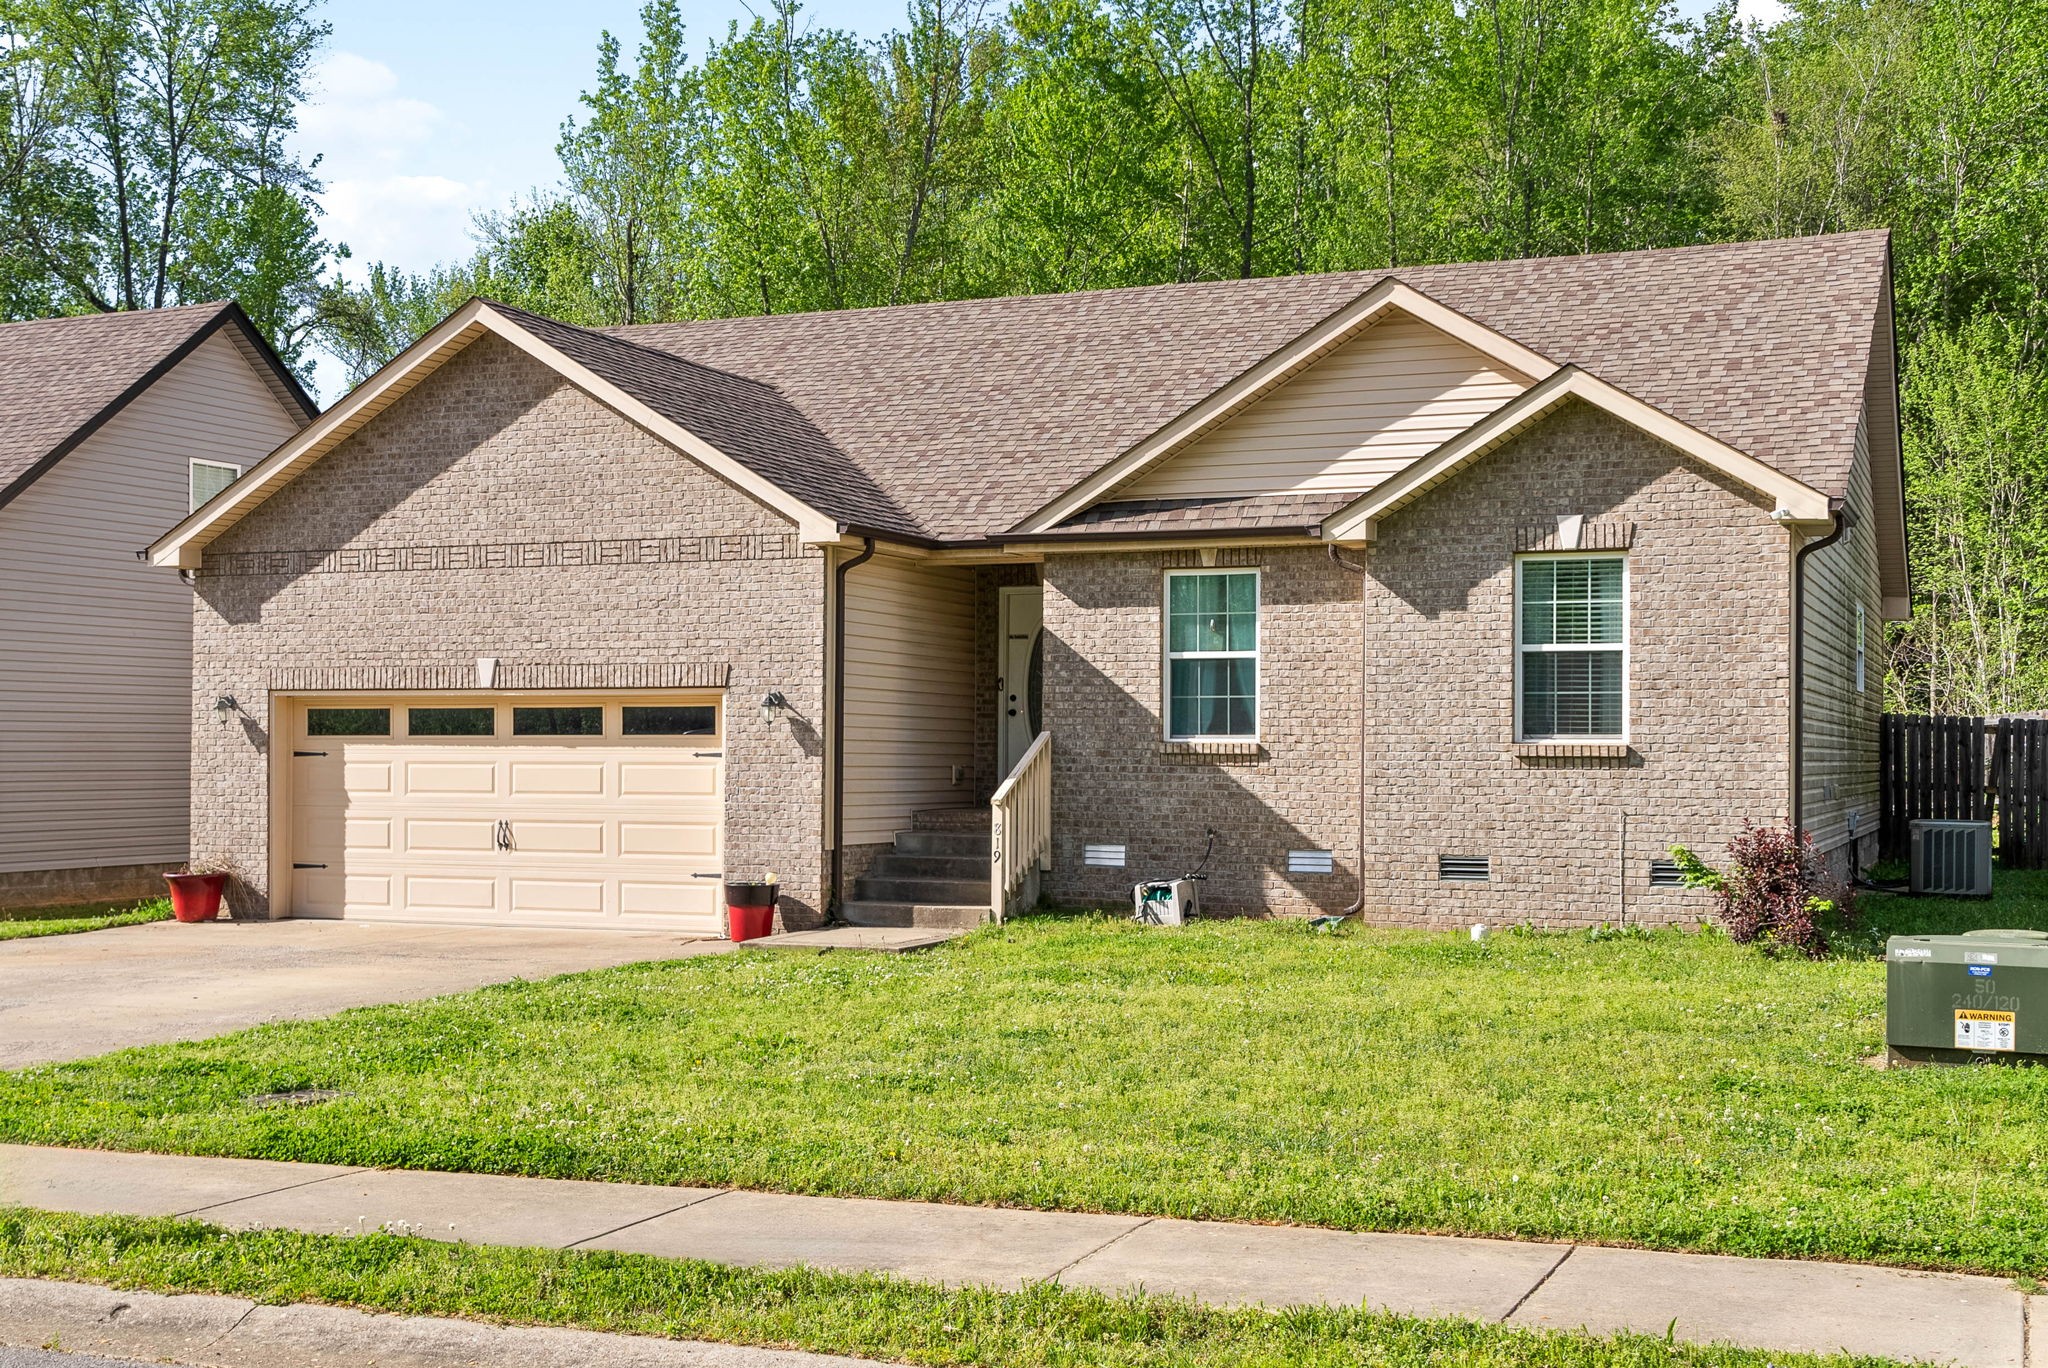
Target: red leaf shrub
1779,891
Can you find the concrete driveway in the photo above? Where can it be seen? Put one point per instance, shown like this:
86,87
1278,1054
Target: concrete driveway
66,997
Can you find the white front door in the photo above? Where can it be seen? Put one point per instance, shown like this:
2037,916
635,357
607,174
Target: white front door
1019,617
573,810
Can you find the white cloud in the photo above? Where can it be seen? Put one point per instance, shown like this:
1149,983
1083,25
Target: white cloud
355,112
411,222
383,156
1765,12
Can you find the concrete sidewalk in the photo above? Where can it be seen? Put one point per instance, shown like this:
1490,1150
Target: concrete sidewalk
1759,1303
230,1332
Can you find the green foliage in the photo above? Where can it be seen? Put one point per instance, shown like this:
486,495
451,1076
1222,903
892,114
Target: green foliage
142,159
1665,1088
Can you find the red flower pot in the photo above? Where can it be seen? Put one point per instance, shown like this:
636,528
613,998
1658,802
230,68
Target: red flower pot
196,897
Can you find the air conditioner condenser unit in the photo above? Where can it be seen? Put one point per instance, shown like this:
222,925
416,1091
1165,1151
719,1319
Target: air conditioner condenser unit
1952,857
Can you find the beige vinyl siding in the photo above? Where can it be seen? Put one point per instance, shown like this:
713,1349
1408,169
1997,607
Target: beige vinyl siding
95,689
1840,727
1371,406
909,694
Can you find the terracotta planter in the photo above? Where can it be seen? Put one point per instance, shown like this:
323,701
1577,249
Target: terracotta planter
196,897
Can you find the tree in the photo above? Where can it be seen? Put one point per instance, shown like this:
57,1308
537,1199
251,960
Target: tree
144,160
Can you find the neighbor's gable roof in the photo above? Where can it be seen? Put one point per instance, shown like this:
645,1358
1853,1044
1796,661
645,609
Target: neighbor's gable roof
62,379
974,415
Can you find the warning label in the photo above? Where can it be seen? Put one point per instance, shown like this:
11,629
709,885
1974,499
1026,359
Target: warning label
1979,1030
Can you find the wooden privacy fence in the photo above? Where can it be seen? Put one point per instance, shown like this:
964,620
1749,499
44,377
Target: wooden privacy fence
1967,769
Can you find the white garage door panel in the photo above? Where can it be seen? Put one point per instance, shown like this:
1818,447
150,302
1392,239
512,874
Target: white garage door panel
505,829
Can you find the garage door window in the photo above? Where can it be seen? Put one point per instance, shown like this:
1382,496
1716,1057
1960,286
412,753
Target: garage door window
669,721
558,721
451,721
348,721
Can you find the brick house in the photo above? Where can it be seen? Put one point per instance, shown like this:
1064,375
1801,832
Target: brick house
1454,593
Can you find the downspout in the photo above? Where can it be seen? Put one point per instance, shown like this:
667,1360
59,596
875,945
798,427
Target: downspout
1358,569
1843,519
867,552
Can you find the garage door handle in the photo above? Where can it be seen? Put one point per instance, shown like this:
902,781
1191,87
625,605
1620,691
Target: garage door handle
708,755
297,865
297,753
707,876
504,835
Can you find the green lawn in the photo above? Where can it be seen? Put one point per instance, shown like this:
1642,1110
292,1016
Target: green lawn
22,923
1042,1327
1670,1089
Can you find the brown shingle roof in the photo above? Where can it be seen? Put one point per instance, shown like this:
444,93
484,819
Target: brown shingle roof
1244,513
958,420
60,378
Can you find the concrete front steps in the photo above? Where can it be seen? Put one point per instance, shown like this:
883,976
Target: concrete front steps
937,876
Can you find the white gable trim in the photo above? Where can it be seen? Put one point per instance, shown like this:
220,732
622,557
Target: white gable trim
1794,502
184,546
1275,370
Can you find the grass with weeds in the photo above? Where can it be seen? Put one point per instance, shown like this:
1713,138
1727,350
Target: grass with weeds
1040,1327
1666,1089
21,923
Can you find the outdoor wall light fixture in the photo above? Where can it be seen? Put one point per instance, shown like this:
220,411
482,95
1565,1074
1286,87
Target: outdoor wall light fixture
224,705
773,705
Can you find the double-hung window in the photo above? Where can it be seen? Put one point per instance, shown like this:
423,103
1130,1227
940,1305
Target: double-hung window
1571,648
1212,655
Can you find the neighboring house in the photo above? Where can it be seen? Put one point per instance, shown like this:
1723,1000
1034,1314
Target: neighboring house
1458,593
112,426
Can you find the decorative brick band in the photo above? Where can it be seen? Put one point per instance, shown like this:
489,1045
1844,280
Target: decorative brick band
510,675
365,560
1593,536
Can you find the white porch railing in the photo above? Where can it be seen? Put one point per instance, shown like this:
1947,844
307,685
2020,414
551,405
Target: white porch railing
1020,830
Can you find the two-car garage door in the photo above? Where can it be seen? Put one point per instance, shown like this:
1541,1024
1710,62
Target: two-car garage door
522,811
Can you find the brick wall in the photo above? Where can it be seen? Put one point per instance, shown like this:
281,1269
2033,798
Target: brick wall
1116,781
1709,598
497,511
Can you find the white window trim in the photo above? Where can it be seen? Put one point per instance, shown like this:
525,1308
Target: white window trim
1168,655
192,468
1522,736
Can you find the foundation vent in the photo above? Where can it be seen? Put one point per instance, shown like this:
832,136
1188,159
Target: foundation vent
1664,874
1464,868
1103,856
1310,862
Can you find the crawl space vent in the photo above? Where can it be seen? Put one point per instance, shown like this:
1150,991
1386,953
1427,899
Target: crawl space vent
1310,862
1664,874
1103,856
1464,868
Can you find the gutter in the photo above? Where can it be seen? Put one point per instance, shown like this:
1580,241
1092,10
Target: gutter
833,892
1844,520
1358,569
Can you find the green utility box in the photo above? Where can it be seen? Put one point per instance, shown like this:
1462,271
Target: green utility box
1975,998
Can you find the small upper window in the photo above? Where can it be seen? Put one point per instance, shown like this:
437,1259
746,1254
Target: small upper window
450,721
1212,654
1571,656
210,478
348,721
558,721
699,719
